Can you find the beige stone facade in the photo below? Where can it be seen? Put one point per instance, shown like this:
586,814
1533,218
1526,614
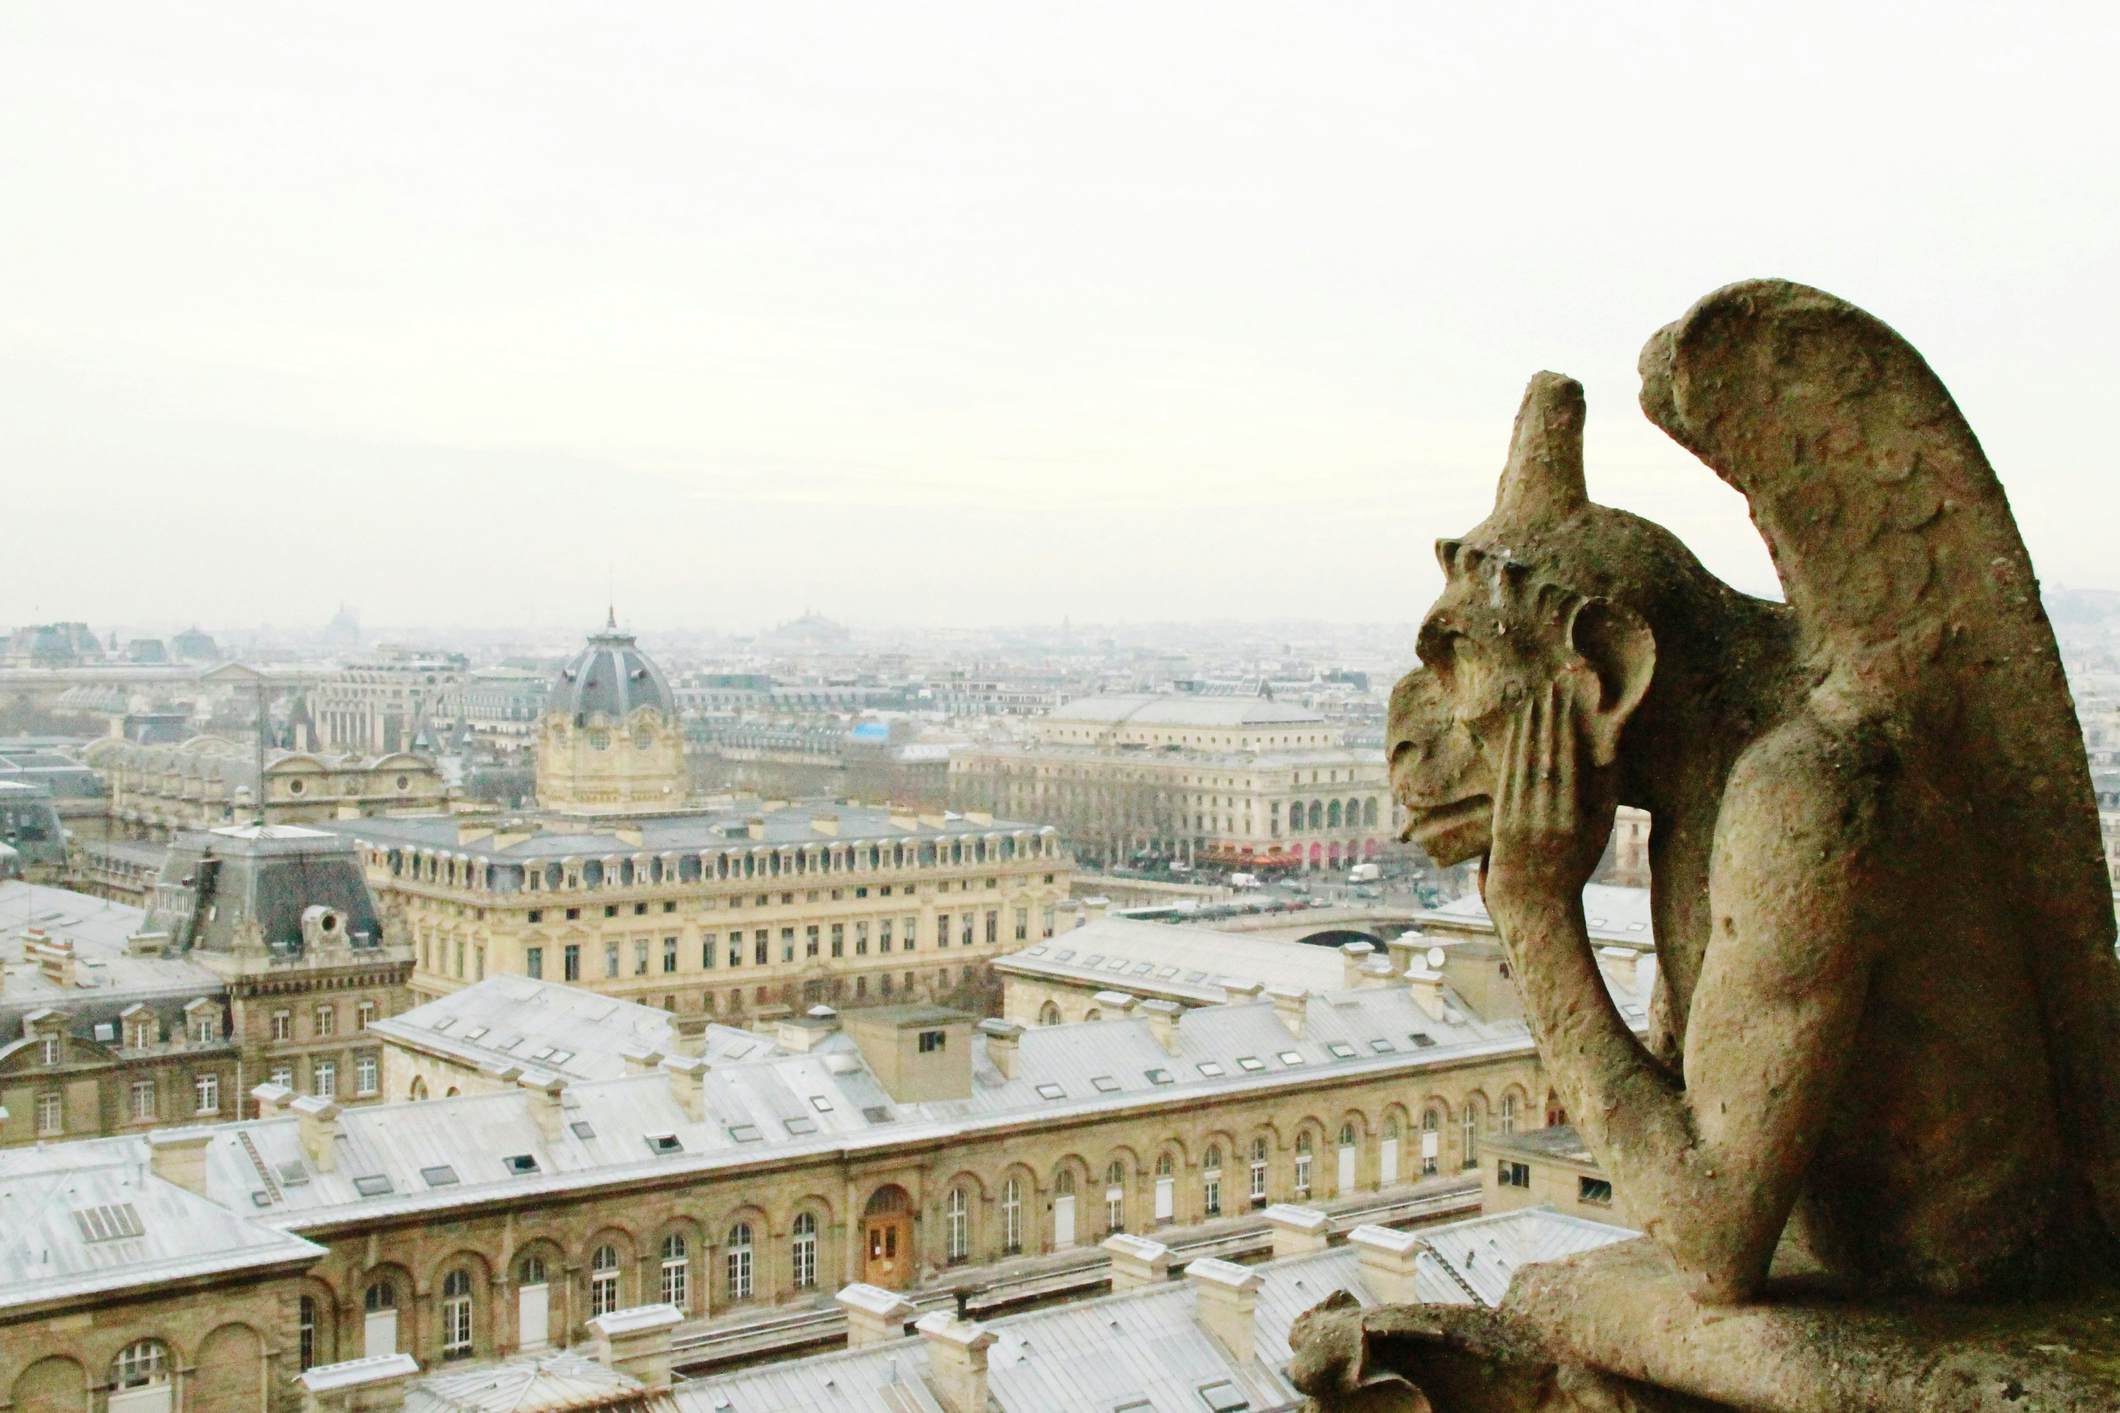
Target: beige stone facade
1548,1167
1241,782
208,781
400,699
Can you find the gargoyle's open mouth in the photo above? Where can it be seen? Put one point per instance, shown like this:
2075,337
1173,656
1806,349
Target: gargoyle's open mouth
1430,827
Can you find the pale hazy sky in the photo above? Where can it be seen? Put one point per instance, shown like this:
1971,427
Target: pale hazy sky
970,313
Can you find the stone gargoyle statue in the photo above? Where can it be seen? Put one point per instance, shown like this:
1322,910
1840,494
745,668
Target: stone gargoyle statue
1885,1047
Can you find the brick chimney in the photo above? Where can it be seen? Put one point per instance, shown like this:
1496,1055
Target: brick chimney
320,1130
1003,1038
874,1315
1137,1262
1292,1005
956,1351
1163,1022
1298,1231
1389,1261
688,1082
1226,1298
637,1342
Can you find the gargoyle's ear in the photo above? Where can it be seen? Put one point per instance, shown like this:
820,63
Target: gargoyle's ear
1622,653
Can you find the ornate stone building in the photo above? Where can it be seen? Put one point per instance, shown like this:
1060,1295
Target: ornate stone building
1246,782
610,742
737,908
156,791
262,958
401,699
887,1147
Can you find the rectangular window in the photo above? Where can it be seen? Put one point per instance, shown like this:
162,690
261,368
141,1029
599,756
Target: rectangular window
610,959
1595,1191
537,915
669,954
283,1025
708,946
787,944
364,1014
534,962
205,1029
932,1040
326,1073
971,920
883,935
735,949
283,1076
861,939
573,962
51,1115
993,926
143,1099
640,956
942,929
364,1074
207,1091
761,940
839,939
809,941
1508,1174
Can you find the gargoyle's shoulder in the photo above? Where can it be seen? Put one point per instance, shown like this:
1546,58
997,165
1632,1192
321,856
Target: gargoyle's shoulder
1808,779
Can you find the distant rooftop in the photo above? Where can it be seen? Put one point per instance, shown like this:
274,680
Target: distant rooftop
1168,709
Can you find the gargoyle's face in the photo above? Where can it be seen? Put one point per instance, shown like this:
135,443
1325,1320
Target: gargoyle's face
1484,650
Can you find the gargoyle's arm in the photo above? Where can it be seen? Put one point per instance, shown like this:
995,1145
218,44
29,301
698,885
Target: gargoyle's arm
1712,1164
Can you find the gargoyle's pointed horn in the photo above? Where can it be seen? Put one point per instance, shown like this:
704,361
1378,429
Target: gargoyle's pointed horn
1544,477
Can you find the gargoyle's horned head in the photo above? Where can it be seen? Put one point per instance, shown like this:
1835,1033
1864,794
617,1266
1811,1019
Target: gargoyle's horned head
1505,626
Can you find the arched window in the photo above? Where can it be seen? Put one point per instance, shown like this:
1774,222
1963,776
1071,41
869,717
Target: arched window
381,1295
675,1268
1064,1183
1347,1135
957,1226
1115,1196
603,1280
456,1315
1258,1172
1508,1119
1369,812
1317,815
804,1244
1048,1014
306,1332
1164,1165
1211,1180
1332,815
531,1272
737,1258
1011,1217
142,1365
1303,1165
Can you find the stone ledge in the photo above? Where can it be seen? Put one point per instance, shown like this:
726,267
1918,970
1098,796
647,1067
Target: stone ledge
1620,1309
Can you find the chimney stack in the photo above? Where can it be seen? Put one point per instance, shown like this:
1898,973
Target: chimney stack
1236,991
372,1385
1113,1005
640,1059
178,1156
1002,1040
1226,1296
1390,1259
1292,1005
320,1130
273,1099
956,1351
545,1090
874,1315
1137,1262
1163,1022
1353,957
688,1082
1377,972
1298,1231
637,1342
1427,988
688,1033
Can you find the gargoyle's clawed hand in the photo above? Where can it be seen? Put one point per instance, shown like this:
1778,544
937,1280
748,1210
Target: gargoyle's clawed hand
1553,810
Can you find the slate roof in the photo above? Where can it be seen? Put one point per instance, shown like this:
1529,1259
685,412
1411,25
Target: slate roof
611,677
1190,963
537,1383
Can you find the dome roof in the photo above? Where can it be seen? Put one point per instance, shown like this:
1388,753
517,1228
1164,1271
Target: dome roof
613,676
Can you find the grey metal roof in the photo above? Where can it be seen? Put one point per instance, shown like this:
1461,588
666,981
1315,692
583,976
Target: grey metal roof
1182,710
506,1020
552,836
217,882
1146,1346
107,979
1188,963
68,1231
532,1383
611,677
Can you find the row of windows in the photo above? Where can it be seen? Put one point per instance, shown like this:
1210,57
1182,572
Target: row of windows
761,947
141,1100
766,862
323,1020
